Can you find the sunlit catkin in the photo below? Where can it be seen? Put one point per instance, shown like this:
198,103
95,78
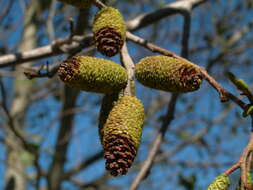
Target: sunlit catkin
93,74
109,31
168,74
120,129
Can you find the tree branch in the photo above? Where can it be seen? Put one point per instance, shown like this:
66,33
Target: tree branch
83,165
57,47
11,124
67,45
129,65
99,4
182,7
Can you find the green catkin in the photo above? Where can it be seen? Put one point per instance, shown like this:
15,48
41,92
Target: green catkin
249,178
168,74
120,129
108,102
221,182
78,3
125,119
109,31
93,74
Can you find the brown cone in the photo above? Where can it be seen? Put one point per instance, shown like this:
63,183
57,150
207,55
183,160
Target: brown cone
189,76
119,154
67,69
108,41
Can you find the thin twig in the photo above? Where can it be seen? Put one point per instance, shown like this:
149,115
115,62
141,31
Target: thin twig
186,34
50,20
172,8
232,169
49,71
57,47
28,147
83,165
99,4
244,163
129,65
156,144
32,73
16,132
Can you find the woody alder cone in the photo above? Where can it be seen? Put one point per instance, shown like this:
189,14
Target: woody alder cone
120,128
109,31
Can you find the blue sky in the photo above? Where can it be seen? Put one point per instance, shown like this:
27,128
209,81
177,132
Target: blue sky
41,118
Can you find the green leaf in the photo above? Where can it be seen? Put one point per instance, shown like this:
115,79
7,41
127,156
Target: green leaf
239,83
248,111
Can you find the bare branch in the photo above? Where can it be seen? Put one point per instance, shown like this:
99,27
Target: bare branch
16,132
143,20
67,45
83,165
129,65
57,47
50,25
99,4
51,70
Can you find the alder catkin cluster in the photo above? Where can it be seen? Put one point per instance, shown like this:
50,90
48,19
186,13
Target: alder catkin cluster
122,116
